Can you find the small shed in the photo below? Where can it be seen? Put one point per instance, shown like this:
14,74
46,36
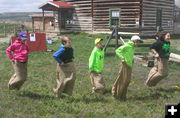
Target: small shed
37,22
62,11
101,15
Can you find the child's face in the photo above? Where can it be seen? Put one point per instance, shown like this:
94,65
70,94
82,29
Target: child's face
167,37
23,41
99,45
68,43
136,43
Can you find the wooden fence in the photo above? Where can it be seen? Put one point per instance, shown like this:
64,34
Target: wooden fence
7,29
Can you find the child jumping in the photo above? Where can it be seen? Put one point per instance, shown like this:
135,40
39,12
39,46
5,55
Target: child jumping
96,63
65,70
19,60
126,54
161,51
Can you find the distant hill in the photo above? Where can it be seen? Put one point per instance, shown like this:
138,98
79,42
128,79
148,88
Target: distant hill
17,16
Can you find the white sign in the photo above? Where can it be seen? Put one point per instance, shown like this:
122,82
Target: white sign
142,23
137,21
115,13
32,37
170,23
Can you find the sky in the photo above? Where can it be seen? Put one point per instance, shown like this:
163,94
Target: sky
21,5
177,2
28,5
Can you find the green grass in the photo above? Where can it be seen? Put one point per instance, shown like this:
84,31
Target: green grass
36,99
2,36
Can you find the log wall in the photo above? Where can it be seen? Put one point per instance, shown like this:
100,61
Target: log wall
149,14
83,15
93,15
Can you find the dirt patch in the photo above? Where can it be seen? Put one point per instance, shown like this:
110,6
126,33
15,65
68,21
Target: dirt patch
5,39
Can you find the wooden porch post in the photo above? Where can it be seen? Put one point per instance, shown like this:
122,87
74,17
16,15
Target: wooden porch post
54,20
59,20
43,22
33,23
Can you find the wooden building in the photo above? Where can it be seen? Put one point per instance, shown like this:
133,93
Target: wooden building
37,24
100,15
177,20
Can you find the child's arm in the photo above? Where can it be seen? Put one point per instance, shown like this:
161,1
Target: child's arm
57,54
92,61
154,47
119,52
8,52
73,53
155,53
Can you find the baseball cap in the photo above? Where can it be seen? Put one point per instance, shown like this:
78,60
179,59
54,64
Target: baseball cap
97,40
136,37
22,35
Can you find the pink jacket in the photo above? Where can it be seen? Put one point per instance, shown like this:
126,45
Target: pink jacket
20,51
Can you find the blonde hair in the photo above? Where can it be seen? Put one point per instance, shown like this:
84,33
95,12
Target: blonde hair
64,39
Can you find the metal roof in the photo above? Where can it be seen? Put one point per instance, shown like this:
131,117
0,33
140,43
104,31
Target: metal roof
57,4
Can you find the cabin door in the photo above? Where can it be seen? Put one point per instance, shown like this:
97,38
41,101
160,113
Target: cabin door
63,19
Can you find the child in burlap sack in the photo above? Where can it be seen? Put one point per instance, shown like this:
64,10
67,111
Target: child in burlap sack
96,63
65,70
126,54
19,60
161,52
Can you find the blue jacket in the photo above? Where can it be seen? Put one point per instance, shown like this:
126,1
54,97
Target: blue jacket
64,54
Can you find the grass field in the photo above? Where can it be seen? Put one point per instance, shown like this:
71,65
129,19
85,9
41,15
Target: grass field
36,99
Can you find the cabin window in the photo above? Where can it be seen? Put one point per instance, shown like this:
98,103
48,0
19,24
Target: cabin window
114,17
159,18
71,18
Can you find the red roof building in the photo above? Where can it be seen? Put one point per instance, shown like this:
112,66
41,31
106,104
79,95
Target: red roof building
56,4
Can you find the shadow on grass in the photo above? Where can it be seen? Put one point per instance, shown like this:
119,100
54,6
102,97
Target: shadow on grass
98,97
93,99
107,91
33,95
156,94
84,98
169,90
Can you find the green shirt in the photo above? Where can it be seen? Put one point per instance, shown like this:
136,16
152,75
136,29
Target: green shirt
126,52
96,60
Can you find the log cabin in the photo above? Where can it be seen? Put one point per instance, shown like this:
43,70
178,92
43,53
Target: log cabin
103,15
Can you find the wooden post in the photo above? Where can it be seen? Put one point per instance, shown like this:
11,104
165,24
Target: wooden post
173,55
54,15
105,47
4,29
59,21
43,22
33,24
14,30
116,36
